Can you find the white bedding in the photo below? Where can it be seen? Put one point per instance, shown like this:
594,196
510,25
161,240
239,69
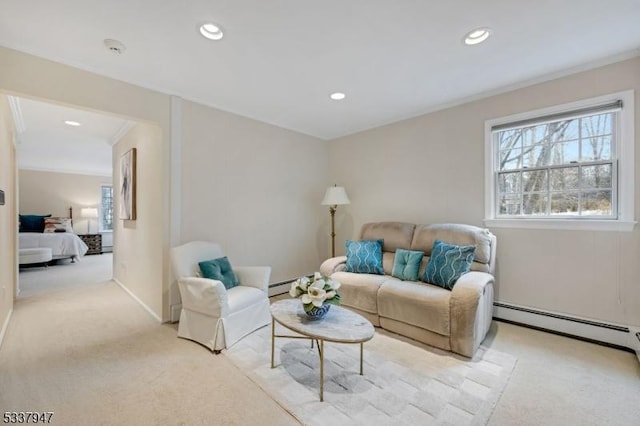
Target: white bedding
62,244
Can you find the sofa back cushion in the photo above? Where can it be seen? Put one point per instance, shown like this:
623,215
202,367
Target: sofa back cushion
461,235
395,235
409,236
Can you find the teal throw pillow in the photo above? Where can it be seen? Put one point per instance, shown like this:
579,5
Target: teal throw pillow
32,222
406,264
219,269
364,257
447,263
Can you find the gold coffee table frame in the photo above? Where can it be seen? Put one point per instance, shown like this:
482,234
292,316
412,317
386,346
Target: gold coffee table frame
339,326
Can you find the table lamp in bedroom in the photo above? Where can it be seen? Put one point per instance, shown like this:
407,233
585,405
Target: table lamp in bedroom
89,213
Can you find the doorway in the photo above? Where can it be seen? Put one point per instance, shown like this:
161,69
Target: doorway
65,169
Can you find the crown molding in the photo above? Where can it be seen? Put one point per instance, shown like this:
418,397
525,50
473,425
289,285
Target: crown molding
67,171
18,118
126,126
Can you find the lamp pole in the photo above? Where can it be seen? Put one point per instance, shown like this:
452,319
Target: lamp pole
332,212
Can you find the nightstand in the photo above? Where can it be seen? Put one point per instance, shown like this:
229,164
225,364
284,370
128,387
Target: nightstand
94,241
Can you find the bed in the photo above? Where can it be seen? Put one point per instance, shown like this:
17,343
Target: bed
58,236
62,245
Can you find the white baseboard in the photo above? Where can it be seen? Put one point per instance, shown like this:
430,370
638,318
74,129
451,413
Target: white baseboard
140,302
614,334
5,326
174,315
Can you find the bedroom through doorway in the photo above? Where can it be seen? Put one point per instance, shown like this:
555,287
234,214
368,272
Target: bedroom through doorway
65,195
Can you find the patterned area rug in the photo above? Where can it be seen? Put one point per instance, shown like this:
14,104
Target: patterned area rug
404,382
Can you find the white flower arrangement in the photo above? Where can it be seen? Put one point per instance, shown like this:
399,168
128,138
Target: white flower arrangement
315,291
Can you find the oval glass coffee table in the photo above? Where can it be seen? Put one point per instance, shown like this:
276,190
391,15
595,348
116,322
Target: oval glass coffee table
340,325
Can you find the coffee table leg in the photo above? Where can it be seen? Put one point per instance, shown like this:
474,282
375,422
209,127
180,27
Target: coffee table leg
361,352
321,370
273,341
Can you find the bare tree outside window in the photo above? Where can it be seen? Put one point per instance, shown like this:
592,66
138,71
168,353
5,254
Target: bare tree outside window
562,168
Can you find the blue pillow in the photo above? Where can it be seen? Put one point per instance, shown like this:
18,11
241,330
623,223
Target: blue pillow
219,269
406,264
447,263
32,222
364,257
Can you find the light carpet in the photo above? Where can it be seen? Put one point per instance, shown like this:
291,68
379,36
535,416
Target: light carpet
404,382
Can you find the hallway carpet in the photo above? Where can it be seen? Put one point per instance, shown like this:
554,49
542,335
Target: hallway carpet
93,356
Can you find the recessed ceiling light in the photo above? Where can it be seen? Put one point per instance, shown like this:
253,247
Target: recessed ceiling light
477,36
72,123
211,31
337,96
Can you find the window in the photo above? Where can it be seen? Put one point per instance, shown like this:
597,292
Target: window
106,208
567,167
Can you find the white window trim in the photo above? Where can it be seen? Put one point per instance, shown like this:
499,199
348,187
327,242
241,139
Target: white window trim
624,148
101,230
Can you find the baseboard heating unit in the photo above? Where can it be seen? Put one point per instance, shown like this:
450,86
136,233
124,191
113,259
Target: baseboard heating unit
278,288
614,335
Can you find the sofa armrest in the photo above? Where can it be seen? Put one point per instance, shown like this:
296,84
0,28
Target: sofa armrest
332,265
254,276
203,295
470,305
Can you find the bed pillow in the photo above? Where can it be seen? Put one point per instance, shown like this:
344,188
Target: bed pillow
447,263
32,222
219,269
57,224
406,264
364,257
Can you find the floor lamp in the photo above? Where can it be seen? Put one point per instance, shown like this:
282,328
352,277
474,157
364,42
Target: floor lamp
334,197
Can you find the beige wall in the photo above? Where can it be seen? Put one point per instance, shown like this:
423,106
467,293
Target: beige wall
427,169
8,215
430,169
274,179
49,192
137,259
256,189
32,77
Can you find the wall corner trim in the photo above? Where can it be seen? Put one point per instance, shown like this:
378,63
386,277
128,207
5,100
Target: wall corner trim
140,302
5,326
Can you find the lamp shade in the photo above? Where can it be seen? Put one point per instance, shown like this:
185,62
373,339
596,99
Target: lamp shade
89,212
335,196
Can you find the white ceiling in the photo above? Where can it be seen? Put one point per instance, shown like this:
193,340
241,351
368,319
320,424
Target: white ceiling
280,59
45,142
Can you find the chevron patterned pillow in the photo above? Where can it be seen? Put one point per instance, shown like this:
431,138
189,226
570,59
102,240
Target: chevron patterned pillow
447,263
364,257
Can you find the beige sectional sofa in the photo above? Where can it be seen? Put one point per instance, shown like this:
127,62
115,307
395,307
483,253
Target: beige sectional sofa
456,320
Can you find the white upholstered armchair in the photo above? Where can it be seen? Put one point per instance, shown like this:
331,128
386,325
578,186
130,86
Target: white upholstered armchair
212,315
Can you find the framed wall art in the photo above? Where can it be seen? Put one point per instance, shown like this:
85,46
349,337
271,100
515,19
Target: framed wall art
128,185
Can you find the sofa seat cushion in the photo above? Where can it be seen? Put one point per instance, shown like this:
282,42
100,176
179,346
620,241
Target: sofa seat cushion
419,304
359,291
